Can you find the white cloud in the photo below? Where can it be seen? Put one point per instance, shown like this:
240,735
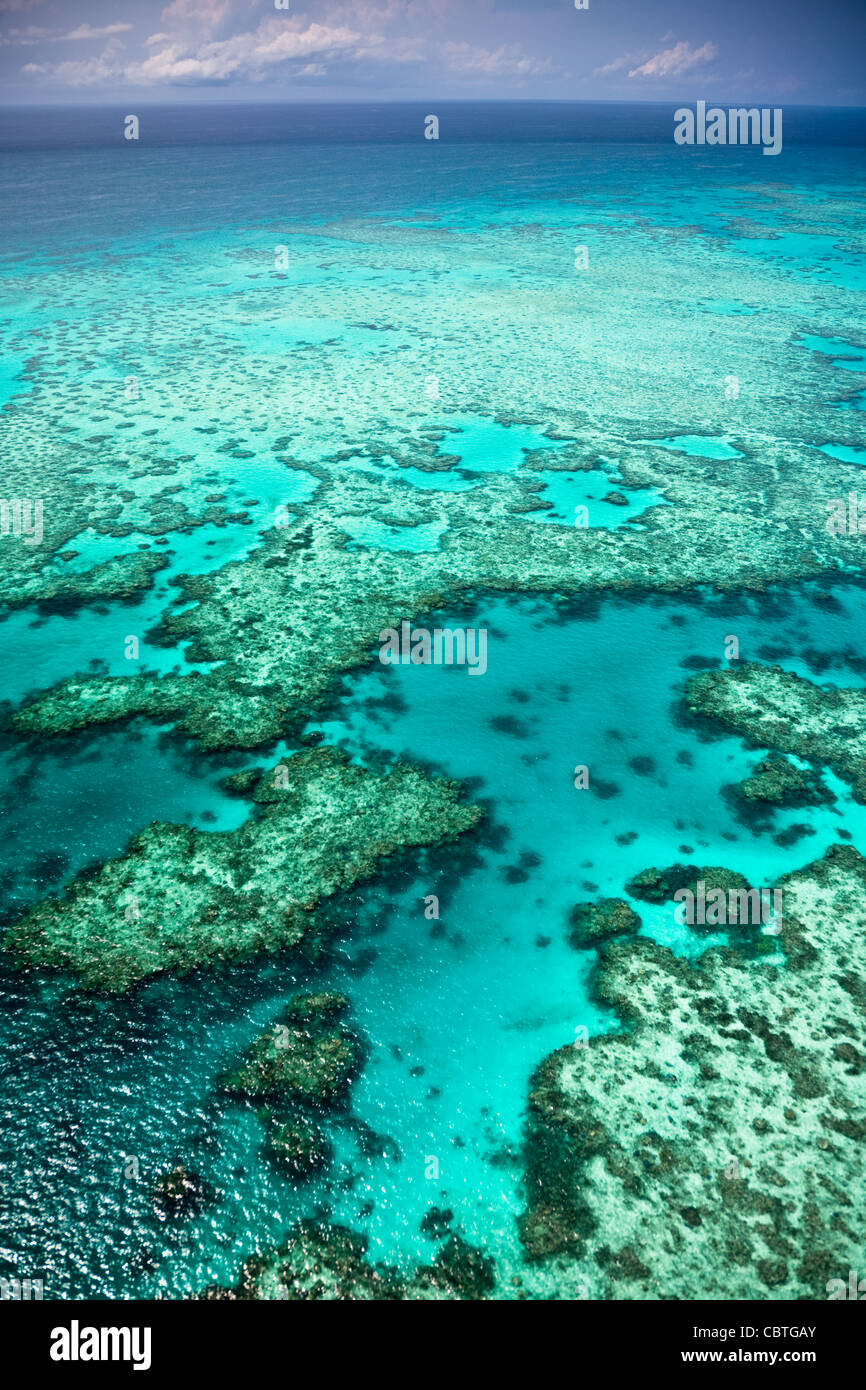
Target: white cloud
501,62
672,62
21,37
86,72
616,66
33,34
209,13
86,31
305,49
246,55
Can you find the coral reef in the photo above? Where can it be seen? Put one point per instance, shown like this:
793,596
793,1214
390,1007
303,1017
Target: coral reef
320,1262
301,1066
306,604
590,923
181,898
776,781
178,1193
712,1149
297,1145
311,1057
772,708
660,885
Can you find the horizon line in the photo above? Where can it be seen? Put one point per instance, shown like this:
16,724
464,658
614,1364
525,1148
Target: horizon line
418,101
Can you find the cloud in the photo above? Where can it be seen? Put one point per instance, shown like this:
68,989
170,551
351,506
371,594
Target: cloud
616,66
380,13
294,44
483,62
245,56
209,13
86,31
33,34
21,37
89,72
672,62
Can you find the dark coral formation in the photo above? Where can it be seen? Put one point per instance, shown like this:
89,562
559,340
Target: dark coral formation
436,1222
590,923
660,885
312,1057
776,781
300,1067
178,1193
320,1262
297,1145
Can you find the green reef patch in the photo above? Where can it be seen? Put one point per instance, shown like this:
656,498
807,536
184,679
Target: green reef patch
180,898
310,1057
297,1145
300,1067
660,885
777,782
590,923
308,603
321,1262
712,1149
772,708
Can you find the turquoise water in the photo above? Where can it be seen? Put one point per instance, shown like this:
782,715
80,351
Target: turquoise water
460,1010
702,447
251,377
567,492
496,978
843,452
367,531
845,355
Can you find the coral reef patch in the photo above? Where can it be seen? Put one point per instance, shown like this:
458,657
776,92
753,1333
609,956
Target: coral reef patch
712,1148
182,898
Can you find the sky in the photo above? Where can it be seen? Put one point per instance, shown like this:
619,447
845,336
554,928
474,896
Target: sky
808,52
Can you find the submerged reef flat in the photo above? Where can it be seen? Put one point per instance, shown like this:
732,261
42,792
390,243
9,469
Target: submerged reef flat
311,1056
320,1262
118,578
300,1067
72,507
181,898
308,604
713,1148
776,709
777,781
